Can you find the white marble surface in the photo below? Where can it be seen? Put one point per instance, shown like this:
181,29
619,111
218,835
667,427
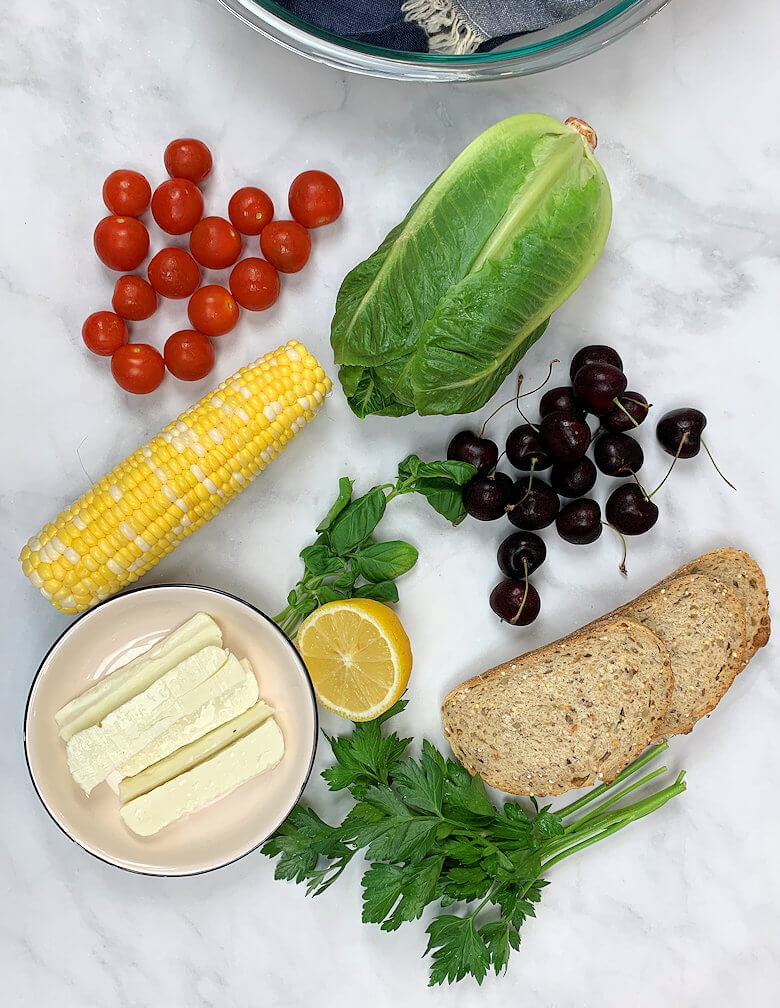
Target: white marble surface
681,909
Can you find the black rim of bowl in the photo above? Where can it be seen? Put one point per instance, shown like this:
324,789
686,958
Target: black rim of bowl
116,598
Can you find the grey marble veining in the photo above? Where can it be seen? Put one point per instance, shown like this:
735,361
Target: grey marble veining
678,910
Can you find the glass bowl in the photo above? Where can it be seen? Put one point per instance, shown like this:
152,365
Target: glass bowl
529,53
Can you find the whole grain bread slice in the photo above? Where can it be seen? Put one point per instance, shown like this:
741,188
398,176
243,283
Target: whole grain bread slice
739,572
565,715
703,626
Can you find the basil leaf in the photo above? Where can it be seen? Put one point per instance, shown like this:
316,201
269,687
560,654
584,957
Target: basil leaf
409,467
386,561
320,561
357,521
344,497
327,593
444,496
459,472
384,591
346,580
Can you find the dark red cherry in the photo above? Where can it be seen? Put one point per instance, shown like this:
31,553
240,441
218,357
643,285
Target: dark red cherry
596,353
535,508
561,398
673,425
481,452
630,511
627,413
618,454
573,479
580,522
516,602
567,434
596,386
486,497
521,554
526,449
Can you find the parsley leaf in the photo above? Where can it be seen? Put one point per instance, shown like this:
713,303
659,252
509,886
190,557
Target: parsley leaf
457,948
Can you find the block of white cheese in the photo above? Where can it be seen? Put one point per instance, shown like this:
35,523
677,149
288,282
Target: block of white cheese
198,695
260,750
129,680
193,753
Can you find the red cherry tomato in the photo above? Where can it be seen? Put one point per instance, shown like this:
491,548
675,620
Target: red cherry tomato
126,193
212,310
189,355
254,283
286,245
177,205
137,368
122,243
173,273
104,332
315,199
250,209
187,159
134,298
215,243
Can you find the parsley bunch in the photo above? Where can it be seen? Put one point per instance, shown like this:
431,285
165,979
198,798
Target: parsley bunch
345,561
432,835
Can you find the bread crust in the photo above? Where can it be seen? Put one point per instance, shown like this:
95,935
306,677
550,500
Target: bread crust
736,658
620,625
706,563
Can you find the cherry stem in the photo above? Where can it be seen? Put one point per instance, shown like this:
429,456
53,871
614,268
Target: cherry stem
620,406
492,473
553,362
516,616
498,409
622,567
669,472
716,465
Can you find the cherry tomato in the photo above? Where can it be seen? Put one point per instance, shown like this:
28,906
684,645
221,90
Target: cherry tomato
126,193
137,368
315,199
173,273
250,209
215,243
122,243
134,298
189,355
254,283
104,332
187,159
177,205
286,245
212,310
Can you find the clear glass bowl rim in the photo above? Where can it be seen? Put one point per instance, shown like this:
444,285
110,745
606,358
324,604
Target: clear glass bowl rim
540,51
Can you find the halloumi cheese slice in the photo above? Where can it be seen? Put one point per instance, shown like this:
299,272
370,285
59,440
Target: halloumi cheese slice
129,680
260,750
193,753
199,694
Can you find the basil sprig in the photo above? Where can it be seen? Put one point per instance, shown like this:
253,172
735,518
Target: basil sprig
347,561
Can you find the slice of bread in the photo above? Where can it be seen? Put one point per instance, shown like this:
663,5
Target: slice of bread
702,623
566,715
739,572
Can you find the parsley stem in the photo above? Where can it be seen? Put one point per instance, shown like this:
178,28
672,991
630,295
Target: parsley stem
630,770
599,809
611,823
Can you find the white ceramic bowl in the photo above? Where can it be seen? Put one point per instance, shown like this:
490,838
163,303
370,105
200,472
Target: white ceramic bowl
114,633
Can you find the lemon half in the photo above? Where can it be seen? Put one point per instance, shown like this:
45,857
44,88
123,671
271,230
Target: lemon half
358,656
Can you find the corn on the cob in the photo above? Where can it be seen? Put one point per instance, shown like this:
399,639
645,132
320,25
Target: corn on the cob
167,489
